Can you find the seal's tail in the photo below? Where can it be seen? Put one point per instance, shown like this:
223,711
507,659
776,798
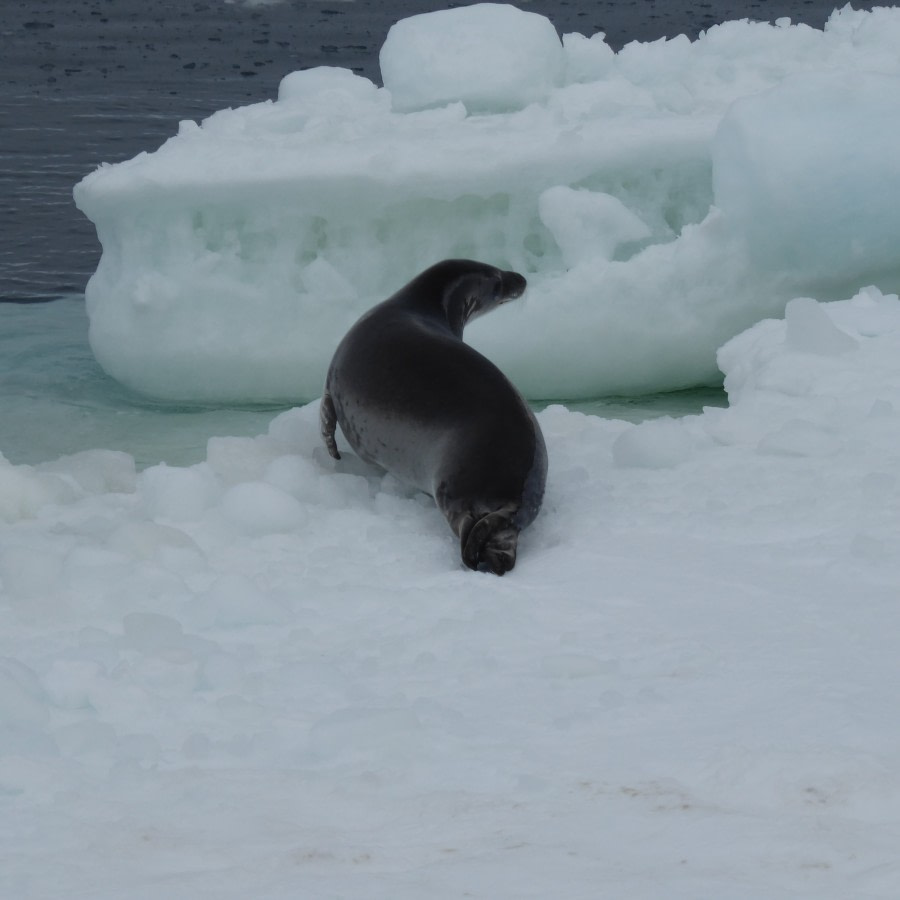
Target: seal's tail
490,543
328,424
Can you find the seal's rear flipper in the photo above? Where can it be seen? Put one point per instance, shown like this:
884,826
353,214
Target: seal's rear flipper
490,544
328,423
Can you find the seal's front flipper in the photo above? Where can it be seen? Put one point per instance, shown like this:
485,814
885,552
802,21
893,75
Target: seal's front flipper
328,423
490,544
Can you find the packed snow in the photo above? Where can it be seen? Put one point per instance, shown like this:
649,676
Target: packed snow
499,58
660,200
268,674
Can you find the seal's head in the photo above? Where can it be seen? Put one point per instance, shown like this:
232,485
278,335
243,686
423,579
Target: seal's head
466,289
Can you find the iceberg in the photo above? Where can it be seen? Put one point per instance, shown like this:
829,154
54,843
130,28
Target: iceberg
659,200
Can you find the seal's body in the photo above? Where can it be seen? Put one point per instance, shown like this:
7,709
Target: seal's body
410,396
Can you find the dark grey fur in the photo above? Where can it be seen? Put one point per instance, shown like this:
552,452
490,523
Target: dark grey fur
410,396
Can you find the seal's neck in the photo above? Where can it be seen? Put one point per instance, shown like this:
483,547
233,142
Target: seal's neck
459,307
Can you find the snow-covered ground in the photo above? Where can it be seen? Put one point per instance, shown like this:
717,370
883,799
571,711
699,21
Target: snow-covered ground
268,674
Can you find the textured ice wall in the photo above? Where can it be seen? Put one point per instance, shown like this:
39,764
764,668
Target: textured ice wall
653,215
810,174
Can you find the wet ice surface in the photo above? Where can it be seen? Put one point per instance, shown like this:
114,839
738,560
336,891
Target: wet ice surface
56,400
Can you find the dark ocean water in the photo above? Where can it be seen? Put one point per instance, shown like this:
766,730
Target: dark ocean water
91,81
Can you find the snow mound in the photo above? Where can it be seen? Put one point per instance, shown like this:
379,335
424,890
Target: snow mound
491,57
834,362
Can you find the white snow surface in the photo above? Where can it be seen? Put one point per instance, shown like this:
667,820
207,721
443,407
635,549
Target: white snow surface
268,675
490,56
659,200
